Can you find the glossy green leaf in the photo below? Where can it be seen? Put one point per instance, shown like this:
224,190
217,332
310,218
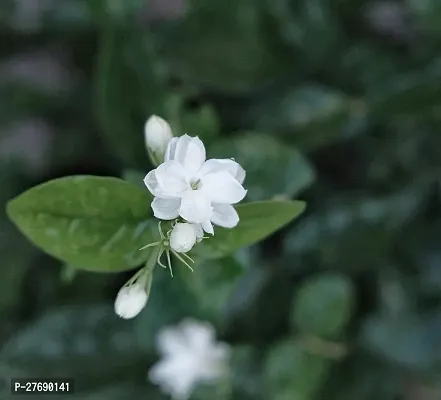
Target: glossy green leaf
257,221
94,223
323,305
273,168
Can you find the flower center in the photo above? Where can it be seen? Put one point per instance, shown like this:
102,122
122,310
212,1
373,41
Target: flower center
195,184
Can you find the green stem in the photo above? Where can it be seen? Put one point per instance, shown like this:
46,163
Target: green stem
147,272
152,260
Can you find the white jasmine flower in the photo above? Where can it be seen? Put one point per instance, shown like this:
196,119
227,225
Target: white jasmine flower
130,300
184,236
191,355
199,191
157,133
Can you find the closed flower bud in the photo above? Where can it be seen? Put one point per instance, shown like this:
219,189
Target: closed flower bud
183,237
157,134
130,301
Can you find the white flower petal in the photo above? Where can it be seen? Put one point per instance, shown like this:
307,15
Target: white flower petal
191,355
224,215
221,187
195,207
240,174
172,179
198,335
218,363
176,376
152,183
199,230
190,152
208,227
171,150
170,341
166,209
219,164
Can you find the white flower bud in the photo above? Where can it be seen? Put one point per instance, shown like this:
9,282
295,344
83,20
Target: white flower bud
183,237
130,301
157,133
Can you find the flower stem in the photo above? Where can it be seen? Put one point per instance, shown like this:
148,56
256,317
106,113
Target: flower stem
152,260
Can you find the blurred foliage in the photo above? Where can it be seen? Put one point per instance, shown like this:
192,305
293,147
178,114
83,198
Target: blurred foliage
332,102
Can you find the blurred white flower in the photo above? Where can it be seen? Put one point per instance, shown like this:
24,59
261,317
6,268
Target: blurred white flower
184,236
199,191
131,300
191,355
157,134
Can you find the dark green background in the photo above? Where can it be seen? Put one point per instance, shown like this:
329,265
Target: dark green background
335,102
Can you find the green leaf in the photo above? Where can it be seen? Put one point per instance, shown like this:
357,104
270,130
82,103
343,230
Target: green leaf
202,122
273,168
257,221
344,227
353,379
88,343
308,116
310,27
115,10
426,15
407,339
94,223
364,65
222,46
67,15
212,283
246,362
412,93
323,305
259,303
127,92
133,176
289,369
